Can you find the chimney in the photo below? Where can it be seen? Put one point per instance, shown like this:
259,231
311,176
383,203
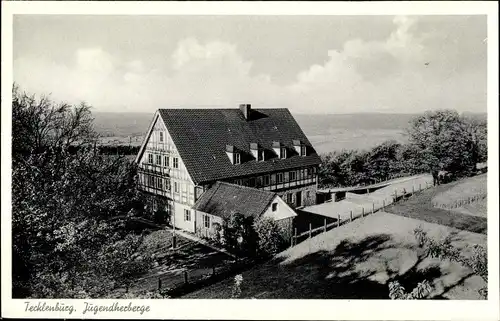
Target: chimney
246,109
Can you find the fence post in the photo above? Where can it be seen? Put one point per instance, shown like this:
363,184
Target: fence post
338,220
185,277
310,230
383,205
373,207
351,217
412,190
420,187
363,211
159,284
324,225
295,238
395,195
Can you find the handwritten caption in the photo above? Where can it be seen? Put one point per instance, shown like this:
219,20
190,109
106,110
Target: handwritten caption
88,308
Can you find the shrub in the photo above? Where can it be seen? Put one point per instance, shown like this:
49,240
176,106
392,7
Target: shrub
270,239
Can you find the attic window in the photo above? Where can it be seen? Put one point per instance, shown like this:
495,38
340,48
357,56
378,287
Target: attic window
161,136
282,152
237,158
274,207
303,150
261,155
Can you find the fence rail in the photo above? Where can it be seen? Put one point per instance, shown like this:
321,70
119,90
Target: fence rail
353,214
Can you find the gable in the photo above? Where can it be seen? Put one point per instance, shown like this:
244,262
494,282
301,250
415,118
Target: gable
158,141
283,211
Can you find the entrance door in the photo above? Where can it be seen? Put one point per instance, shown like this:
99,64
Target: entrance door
298,199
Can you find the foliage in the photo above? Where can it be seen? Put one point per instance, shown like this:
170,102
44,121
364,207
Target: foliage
398,292
477,262
68,208
444,140
439,140
270,240
236,291
357,168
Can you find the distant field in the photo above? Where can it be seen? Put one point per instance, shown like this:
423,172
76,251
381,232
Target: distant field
356,261
327,133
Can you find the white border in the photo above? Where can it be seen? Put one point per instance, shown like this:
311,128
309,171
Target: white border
265,309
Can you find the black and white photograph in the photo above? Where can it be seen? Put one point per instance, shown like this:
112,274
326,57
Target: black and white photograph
248,156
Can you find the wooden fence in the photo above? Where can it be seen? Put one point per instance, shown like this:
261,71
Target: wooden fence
375,207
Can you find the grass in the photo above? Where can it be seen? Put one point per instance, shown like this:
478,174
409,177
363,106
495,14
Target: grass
468,196
357,261
189,256
421,207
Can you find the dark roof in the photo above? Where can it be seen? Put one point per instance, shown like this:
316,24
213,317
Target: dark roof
224,199
201,136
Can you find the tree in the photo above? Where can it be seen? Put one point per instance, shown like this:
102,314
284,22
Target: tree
270,240
69,203
441,141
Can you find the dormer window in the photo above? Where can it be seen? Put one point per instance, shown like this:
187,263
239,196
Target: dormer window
279,149
300,147
161,137
257,152
234,156
282,152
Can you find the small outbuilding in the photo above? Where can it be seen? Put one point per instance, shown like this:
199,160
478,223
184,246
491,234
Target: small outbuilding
224,199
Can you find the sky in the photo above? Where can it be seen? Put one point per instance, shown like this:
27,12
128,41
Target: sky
309,64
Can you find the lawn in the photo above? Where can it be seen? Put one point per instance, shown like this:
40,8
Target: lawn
468,196
421,207
356,261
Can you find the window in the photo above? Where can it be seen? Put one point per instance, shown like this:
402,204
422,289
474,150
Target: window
206,221
289,198
150,158
279,178
166,161
184,187
266,180
261,155
151,181
159,182
237,158
274,207
293,176
176,162
158,159
283,152
303,150
187,215
251,182
176,187
161,136
167,184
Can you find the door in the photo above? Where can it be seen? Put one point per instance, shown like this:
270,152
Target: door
298,199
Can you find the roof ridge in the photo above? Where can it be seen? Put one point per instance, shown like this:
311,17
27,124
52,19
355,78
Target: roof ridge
245,187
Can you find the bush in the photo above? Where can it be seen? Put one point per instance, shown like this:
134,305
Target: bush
270,239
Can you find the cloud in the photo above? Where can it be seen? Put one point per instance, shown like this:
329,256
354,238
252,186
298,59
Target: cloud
388,75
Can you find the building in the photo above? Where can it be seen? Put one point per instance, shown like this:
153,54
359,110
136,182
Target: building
224,199
186,151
